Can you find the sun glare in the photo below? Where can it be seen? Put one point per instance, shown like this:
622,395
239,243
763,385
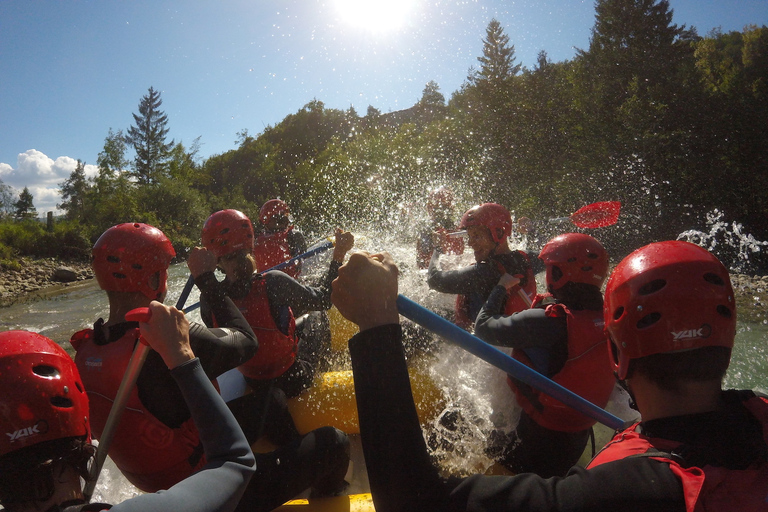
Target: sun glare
375,15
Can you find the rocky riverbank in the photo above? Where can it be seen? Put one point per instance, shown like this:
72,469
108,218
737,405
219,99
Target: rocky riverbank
30,279
38,279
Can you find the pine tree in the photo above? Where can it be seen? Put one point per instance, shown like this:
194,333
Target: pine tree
73,193
497,64
25,209
148,139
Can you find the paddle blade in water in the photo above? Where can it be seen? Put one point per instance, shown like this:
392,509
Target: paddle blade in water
597,215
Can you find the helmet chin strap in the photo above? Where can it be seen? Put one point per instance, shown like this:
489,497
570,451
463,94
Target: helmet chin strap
625,387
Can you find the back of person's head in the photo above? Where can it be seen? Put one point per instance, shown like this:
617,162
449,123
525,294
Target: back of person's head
43,416
670,314
574,258
133,257
226,232
492,216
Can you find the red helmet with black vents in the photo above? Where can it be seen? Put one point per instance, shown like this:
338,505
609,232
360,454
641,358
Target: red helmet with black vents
228,231
43,398
668,297
491,215
133,257
576,258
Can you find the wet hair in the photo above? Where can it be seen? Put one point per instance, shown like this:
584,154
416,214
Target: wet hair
579,296
669,370
27,475
246,264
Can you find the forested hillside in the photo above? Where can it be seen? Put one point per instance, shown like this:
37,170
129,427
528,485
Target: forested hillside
670,122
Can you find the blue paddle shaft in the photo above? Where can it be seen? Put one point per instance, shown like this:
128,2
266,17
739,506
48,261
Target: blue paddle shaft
499,359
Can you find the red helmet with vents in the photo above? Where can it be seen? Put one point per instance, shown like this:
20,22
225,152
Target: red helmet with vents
491,215
668,297
227,231
271,209
133,257
576,258
43,397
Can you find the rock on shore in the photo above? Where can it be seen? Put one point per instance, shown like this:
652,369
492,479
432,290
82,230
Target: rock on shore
35,279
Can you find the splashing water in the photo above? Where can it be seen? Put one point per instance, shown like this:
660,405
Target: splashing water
726,241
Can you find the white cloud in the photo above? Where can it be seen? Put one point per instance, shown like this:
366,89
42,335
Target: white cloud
42,176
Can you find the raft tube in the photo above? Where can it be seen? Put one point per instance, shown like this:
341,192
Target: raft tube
351,503
331,400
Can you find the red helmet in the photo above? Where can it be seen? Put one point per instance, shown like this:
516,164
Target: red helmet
43,398
126,257
491,215
272,208
227,231
440,198
668,297
576,258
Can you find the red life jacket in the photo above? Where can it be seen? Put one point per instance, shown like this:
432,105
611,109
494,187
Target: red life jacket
586,372
514,303
273,249
708,487
151,455
277,351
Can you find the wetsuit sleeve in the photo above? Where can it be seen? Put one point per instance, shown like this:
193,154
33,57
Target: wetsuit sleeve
283,290
544,339
464,281
219,485
529,328
400,471
402,476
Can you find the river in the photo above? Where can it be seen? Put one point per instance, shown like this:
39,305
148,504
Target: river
469,385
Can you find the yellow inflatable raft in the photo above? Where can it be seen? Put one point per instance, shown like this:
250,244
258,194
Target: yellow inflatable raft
351,503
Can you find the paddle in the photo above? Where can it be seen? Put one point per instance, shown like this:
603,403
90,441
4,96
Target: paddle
595,215
499,359
124,391
320,248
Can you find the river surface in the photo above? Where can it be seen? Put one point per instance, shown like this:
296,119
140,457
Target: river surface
468,384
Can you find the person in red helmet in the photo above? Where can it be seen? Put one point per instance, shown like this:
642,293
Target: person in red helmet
670,317
563,340
131,262
280,240
441,215
45,418
488,227
285,362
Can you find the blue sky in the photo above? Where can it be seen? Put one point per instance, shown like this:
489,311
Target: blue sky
71,70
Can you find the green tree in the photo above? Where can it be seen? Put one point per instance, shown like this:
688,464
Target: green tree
7,203
148,138
25,209
74,191
111,159
497,64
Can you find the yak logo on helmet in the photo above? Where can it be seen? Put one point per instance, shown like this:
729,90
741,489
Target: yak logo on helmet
691,334
41,427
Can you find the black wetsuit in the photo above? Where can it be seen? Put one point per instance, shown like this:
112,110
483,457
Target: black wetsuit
402,476
531,448
318,459
476,281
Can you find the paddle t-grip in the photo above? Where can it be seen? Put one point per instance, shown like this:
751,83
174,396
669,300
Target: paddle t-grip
138,315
